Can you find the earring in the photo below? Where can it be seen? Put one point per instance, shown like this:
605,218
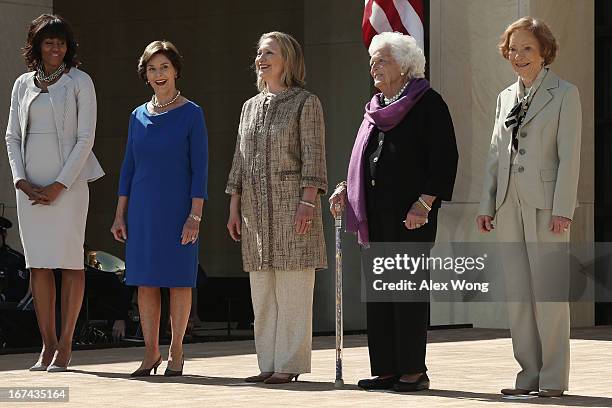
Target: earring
401,73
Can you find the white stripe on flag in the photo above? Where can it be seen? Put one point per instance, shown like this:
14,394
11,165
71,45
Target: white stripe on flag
410,20
379,20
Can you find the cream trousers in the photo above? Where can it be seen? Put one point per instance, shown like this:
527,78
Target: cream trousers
540,330
282,304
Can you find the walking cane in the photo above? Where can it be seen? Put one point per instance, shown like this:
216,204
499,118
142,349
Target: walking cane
339,326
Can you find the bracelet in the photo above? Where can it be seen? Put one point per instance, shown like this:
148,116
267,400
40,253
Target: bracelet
307,203
195,217
341,184
424,204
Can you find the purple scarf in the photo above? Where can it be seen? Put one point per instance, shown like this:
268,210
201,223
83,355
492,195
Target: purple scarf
383,118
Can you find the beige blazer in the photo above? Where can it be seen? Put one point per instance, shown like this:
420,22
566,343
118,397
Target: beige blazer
73,100
279,151
549,150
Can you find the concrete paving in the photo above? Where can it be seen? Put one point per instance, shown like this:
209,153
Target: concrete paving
467,368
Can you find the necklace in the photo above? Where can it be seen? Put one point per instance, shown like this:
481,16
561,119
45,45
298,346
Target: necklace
42,77
389,101
158,105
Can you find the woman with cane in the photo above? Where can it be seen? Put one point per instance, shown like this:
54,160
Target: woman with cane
403,165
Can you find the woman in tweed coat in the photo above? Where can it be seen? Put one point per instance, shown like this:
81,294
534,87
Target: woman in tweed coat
277,175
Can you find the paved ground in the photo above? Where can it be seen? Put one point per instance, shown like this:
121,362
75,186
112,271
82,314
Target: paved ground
467,368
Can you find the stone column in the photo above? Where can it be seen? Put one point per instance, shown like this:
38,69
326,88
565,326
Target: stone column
467,69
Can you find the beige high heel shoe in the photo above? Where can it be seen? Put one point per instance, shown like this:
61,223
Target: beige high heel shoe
285,379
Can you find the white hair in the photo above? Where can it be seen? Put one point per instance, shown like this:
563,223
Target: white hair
404,50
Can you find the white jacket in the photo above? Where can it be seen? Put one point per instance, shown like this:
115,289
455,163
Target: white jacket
73,100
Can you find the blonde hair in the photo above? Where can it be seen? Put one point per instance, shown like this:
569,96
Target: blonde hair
294,69
540,30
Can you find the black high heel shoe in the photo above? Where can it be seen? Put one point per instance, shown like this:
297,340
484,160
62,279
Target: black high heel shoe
175,373
145,372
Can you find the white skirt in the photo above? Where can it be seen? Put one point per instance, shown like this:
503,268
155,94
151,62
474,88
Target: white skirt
52,235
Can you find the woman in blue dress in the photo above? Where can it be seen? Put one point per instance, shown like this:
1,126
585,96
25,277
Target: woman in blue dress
162,188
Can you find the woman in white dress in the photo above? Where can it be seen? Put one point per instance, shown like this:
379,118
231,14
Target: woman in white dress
49,137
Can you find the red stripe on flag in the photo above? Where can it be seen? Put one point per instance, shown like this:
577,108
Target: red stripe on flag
367,12
419,7
368,33
392,15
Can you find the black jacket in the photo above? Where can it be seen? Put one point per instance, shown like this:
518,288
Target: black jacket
418,156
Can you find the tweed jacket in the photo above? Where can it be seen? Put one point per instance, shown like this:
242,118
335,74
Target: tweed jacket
279,151
73,100
549,150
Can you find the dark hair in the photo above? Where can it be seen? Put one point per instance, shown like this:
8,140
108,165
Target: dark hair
49,26
160,47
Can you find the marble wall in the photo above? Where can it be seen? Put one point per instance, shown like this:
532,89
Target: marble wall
467,69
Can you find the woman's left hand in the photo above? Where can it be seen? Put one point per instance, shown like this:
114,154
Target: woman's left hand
559,224
303,219
50,192
191,230
416,217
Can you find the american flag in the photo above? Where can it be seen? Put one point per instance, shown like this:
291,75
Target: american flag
405,16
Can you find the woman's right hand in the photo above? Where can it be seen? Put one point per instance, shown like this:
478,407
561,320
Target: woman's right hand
119,229
234,225
337,201
485,223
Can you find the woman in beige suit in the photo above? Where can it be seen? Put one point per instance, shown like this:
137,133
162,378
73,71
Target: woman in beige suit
529,196
278,173
49,138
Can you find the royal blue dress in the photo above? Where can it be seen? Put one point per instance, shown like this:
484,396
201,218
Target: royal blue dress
165,166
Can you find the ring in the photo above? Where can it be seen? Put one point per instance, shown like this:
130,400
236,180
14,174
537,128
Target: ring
309,222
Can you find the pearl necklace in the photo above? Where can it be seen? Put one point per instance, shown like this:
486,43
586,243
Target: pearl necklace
42,77
389,101
158,105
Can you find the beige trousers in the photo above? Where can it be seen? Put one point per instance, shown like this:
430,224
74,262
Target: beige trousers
540,330
282,304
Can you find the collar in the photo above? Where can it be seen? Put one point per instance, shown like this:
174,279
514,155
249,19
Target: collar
534,86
